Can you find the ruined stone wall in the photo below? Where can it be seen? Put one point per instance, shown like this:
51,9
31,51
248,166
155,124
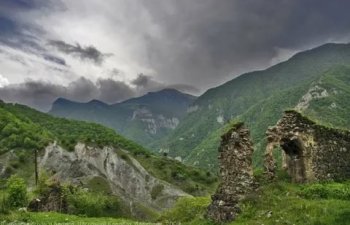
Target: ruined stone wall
312,152
236,174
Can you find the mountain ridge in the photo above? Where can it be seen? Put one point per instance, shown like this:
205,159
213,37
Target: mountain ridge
195,140
143,119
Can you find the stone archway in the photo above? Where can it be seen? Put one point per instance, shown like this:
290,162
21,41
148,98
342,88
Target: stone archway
295,160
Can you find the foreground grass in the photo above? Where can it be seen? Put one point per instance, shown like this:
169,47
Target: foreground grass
283,203
279,203
57,218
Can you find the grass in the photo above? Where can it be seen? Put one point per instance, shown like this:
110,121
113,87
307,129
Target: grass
46,218
277,203
283,203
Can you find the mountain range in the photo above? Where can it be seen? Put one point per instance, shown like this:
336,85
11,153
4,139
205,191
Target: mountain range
144,119
187,128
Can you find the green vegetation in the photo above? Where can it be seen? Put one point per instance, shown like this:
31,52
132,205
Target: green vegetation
42,128
327,191
259,99
49,218
17,192
190,179
186,210
20,134
277,203
69,132
92,204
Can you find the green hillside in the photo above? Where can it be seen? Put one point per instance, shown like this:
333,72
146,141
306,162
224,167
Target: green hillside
260,97
24,129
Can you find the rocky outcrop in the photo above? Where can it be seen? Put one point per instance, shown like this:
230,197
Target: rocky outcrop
123,175
154,123
236,174
311,152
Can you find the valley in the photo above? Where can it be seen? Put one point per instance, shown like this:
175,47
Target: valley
154,158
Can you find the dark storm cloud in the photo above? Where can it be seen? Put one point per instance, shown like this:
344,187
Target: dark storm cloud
84,53
32,93
203,41
184,43
54,59
41,95
26,5
145,83
112,91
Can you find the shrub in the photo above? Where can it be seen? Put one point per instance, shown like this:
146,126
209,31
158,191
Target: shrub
17,192
186,209
327,191
82,202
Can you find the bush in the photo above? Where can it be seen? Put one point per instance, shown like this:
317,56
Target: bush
82,202
187,209
327,191
17,192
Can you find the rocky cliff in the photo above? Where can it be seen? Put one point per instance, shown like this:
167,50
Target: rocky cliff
115,169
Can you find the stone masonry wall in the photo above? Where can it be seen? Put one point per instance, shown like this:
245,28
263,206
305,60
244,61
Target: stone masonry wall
311,152
236,174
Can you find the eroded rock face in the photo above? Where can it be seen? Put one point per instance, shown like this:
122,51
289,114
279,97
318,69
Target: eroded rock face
311,152
123,175
236,174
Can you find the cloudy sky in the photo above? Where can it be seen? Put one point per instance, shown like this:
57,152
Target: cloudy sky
115,49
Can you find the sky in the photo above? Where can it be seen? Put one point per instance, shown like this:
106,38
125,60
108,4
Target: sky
112,50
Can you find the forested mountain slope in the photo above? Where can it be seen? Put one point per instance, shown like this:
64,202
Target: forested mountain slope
128,169
315,82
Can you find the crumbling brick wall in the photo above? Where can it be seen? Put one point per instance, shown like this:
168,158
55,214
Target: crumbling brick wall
236,174
312,152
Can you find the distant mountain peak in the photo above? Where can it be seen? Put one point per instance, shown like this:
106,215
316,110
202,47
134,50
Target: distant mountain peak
61,100
96,102
167,91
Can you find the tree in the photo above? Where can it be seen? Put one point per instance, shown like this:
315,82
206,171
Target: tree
17,191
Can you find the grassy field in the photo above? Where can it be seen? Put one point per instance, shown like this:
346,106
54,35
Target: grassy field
277,203
57,218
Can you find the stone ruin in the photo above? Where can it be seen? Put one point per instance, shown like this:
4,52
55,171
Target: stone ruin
236,174
311,152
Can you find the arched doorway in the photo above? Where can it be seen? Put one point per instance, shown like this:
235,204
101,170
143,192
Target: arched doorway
294,149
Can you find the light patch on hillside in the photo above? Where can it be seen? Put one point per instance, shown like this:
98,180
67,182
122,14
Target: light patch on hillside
220,119
315,92
192,109
333,105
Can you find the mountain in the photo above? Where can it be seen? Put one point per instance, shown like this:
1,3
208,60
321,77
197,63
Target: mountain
144,119
94,157
315,82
